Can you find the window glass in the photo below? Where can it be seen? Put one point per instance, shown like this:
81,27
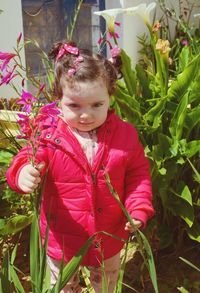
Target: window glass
46,22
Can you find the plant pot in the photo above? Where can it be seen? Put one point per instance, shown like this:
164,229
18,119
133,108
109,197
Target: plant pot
9,127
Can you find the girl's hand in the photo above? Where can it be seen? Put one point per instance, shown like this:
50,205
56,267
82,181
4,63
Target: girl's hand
130,228
29,177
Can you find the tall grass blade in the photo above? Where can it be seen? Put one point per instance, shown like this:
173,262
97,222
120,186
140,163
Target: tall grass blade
13,274
43,257
119,285
148,258
70,269
16,281
149,261
197,174
190,264
34,257
5,284
90,289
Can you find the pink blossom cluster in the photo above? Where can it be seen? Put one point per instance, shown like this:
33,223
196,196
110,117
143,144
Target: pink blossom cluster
7,74
32,113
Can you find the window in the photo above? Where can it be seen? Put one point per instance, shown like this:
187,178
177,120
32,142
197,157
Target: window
45,21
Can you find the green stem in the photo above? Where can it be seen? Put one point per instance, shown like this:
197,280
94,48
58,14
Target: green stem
158,62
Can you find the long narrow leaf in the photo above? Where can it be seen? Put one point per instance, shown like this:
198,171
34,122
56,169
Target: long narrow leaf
177,122
16,281
118,288
197,174
128,73
34,249
190,264
149,261
42,269
5,274
70,269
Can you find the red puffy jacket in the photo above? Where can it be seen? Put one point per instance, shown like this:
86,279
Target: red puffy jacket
76,198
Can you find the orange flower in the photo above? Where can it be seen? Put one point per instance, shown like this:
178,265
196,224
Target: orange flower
163,46
156,27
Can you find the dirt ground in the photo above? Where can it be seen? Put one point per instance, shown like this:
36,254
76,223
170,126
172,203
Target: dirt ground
172,273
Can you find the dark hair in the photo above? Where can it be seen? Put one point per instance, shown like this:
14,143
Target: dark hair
92,67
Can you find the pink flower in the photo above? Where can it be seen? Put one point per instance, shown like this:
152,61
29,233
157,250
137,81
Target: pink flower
100,40
19,38
6,57
24,123
42,86
117,23
113,35
115,52
49,110
5,79
185,42
27,100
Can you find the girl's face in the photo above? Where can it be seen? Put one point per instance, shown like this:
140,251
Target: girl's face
85,106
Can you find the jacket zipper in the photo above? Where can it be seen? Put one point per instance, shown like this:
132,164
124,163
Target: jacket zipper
94,179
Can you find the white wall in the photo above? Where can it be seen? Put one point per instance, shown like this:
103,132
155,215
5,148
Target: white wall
11,25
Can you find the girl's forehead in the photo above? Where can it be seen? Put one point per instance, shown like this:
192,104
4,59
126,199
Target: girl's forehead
84,87
86,92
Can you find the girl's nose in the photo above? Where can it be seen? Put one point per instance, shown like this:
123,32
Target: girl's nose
85,115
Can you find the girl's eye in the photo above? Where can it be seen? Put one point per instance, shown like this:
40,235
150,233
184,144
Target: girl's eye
96,105
73,105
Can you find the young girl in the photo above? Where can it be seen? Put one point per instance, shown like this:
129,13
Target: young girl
76,150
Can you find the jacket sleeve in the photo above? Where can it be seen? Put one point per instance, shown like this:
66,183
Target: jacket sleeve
138,188
19,161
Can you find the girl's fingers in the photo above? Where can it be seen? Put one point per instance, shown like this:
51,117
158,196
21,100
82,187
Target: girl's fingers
130,228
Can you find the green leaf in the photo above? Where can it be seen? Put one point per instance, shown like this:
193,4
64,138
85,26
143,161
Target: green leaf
182,205
118,287
190,264
128,73
5,283
165,143
184,57
15,224
126,111
16,281
149,261
182,290
186,195
192,118
194,232
34,249
177,122
144,82
123,95
191,148
147,254
73,264
197,175
155,113
162,171
5,157
195,90
181,85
